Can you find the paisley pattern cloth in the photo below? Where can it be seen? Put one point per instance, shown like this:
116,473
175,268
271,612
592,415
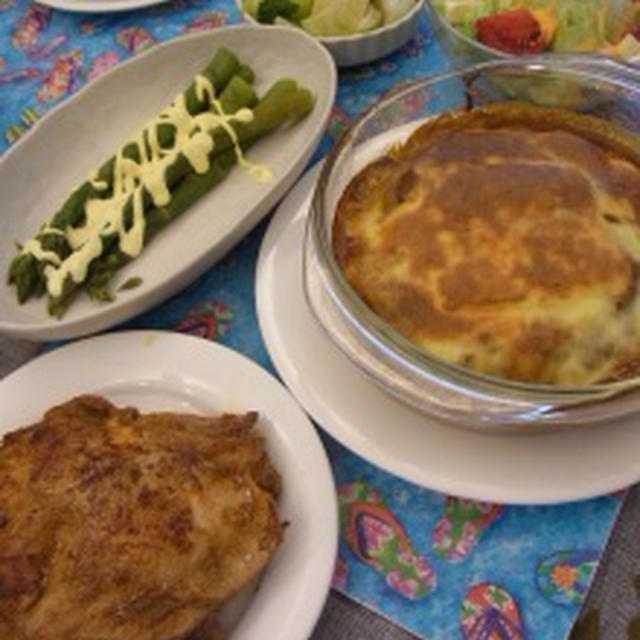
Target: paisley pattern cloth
445,568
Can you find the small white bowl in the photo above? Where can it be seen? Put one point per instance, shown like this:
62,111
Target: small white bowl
360,48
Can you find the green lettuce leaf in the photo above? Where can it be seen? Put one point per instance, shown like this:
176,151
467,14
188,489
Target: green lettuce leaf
251,7
463,14
269,10
622,18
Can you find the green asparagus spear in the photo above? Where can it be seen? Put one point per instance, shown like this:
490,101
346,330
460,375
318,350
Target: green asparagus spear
283,103
236,95
246,73
25,271
219,71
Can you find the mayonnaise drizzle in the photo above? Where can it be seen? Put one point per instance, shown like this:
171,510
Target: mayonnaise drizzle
34,247
96,183
260,173
49,230
131,179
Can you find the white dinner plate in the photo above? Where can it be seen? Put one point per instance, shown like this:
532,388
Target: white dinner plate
60,151
99,6
155,370
541,468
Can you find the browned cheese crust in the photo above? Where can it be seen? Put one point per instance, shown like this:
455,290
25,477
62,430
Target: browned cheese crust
121,525
506,240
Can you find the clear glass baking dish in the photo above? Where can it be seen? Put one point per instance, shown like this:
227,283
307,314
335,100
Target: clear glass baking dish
600,87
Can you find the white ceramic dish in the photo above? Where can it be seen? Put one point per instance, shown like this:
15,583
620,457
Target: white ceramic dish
541,468
38,173
99,6
154,370
348,51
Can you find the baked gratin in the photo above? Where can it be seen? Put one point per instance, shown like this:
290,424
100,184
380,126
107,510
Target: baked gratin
506,240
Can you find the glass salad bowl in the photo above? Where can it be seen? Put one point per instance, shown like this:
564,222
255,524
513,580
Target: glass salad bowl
603,88
463,49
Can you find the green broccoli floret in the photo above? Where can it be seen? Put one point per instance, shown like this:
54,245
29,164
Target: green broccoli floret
269,10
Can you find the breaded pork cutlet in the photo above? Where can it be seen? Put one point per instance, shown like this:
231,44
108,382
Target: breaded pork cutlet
116,524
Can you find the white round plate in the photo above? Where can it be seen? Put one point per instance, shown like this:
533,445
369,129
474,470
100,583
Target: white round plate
59,152
155,370
99,6
541,468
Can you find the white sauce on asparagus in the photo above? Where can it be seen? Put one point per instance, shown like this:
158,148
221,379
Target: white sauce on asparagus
193,139
34,247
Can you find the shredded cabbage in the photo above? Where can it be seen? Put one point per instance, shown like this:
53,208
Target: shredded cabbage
342,17
330,17
580,26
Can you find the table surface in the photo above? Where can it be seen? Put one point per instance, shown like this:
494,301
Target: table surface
614,598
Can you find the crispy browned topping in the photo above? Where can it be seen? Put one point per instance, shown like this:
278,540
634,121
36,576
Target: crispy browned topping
514,223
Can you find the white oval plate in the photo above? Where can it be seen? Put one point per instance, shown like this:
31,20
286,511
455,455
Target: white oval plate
37,174
155,370
543,468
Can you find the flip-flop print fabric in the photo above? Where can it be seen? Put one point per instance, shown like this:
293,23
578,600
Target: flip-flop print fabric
378,539
489,612
434,564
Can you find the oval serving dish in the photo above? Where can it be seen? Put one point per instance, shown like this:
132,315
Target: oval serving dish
75,137
448,391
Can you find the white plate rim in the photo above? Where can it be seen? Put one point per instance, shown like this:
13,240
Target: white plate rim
332,419
99,6
304,592
110,314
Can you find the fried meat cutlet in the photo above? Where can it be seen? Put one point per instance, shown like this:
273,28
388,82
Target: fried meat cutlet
117,525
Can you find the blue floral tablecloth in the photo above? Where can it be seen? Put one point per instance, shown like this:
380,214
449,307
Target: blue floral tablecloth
440,566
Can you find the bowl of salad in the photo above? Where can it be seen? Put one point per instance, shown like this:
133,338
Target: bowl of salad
473,31
354,31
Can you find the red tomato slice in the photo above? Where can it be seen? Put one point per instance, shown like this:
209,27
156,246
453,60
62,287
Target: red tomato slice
515,32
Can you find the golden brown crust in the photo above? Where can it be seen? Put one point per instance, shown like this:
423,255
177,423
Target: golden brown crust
117,524
503,239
